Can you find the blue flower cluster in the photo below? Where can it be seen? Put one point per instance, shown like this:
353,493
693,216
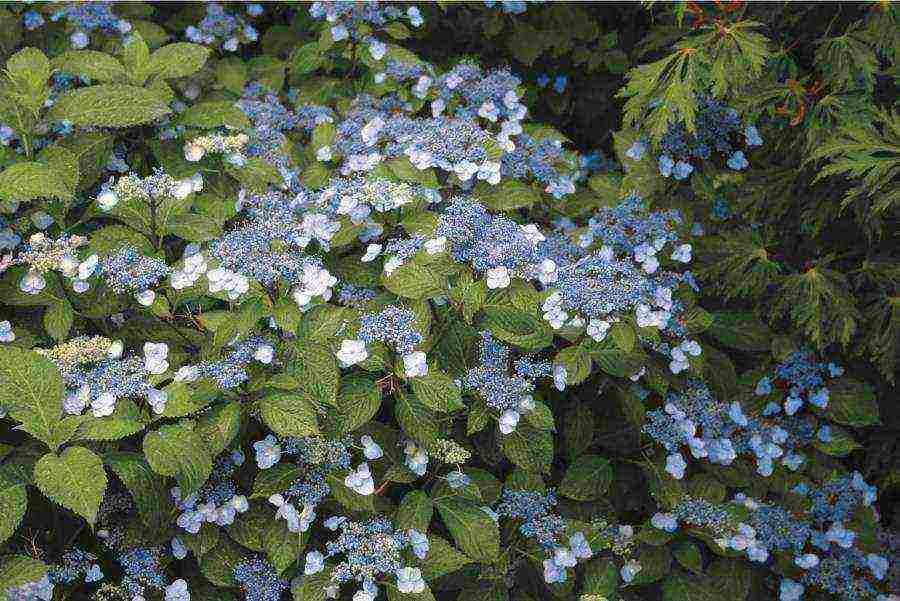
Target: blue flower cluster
545,528
226,29
372,549
231,370
394,326
217,501
76,564
97,375
719,130
258,580
828,554
83,18
128,271
36,590
510,395
355,19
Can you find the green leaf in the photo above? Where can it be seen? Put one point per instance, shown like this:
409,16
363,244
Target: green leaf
276,479
442,559
148,489
417,420
107,428
96,65
318,372
32,389
26,181
529,448
13,503
682,588
255,174
218,113
219,426
250,528
415,281
58,319
194,228
577,362
623,335
473,530
306,58
218,565
178,60
655,564
282,546
311,588
840,445
509,195
688,555
359,399
438,391
76,480
178,450
587,479
109,105
516,327
289,414
852,403
415,511
601,577
741,331
16,570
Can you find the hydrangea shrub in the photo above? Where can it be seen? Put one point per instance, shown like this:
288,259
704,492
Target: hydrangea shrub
290,312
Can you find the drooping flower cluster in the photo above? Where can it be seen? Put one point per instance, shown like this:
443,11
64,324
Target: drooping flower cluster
231,370
547,529
217,501
97,375
372,549
128,271
224,28
84,18
316,458
510,395
818,542
355,19
718,129
720,432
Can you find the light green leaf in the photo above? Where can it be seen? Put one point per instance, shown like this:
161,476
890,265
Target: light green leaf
13,503
415,281
219,426
438,391
194,228
32,388
28,180
76,480
109,105
219,113
178,60
442,559
474,531
16,570
318,372
178,450
96,65
358,400
290,414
